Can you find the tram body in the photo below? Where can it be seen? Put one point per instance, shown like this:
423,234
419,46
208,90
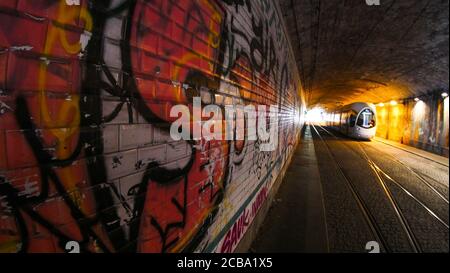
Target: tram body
356,120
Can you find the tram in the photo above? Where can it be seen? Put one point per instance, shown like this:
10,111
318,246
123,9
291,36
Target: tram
356,120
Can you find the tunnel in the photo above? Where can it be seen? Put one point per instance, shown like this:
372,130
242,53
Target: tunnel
224,126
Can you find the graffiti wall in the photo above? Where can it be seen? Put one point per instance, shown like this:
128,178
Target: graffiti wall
86,89
420,123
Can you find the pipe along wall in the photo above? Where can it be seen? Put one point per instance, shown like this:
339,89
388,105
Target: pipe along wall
86,89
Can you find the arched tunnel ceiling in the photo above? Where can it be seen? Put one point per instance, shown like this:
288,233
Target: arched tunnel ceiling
348,51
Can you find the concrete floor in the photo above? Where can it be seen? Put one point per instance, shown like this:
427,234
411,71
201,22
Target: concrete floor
296,220
340,193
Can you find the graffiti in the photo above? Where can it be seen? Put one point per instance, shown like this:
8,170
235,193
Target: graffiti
85,99
240,226
235,233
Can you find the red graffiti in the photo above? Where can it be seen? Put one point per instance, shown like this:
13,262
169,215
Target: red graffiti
85,95
260,199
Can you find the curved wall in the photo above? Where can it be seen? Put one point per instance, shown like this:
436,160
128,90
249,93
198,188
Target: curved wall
86,89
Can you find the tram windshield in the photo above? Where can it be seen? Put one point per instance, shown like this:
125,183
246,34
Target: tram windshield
366,119
353,115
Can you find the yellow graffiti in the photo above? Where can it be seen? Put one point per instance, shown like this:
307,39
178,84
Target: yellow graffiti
184,60
66,122
214,36
190,234
213,40
213,44
10,246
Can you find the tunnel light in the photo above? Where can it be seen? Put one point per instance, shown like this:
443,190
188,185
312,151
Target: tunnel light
416,99
381,104
393,102
419,110
444,94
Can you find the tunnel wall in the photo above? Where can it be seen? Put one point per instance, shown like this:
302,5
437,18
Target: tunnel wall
86,88
423,124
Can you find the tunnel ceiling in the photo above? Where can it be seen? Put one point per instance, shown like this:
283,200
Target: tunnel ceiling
347,51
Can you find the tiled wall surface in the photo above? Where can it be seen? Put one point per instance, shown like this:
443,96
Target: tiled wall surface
86,89
423,124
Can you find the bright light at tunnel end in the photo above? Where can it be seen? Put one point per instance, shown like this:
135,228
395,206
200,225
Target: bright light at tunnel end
315,115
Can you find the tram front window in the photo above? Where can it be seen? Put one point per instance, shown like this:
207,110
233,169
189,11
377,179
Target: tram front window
366,119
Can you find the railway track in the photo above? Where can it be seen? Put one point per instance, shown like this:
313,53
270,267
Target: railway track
384,180
420,176
414,172
367,214
407,151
